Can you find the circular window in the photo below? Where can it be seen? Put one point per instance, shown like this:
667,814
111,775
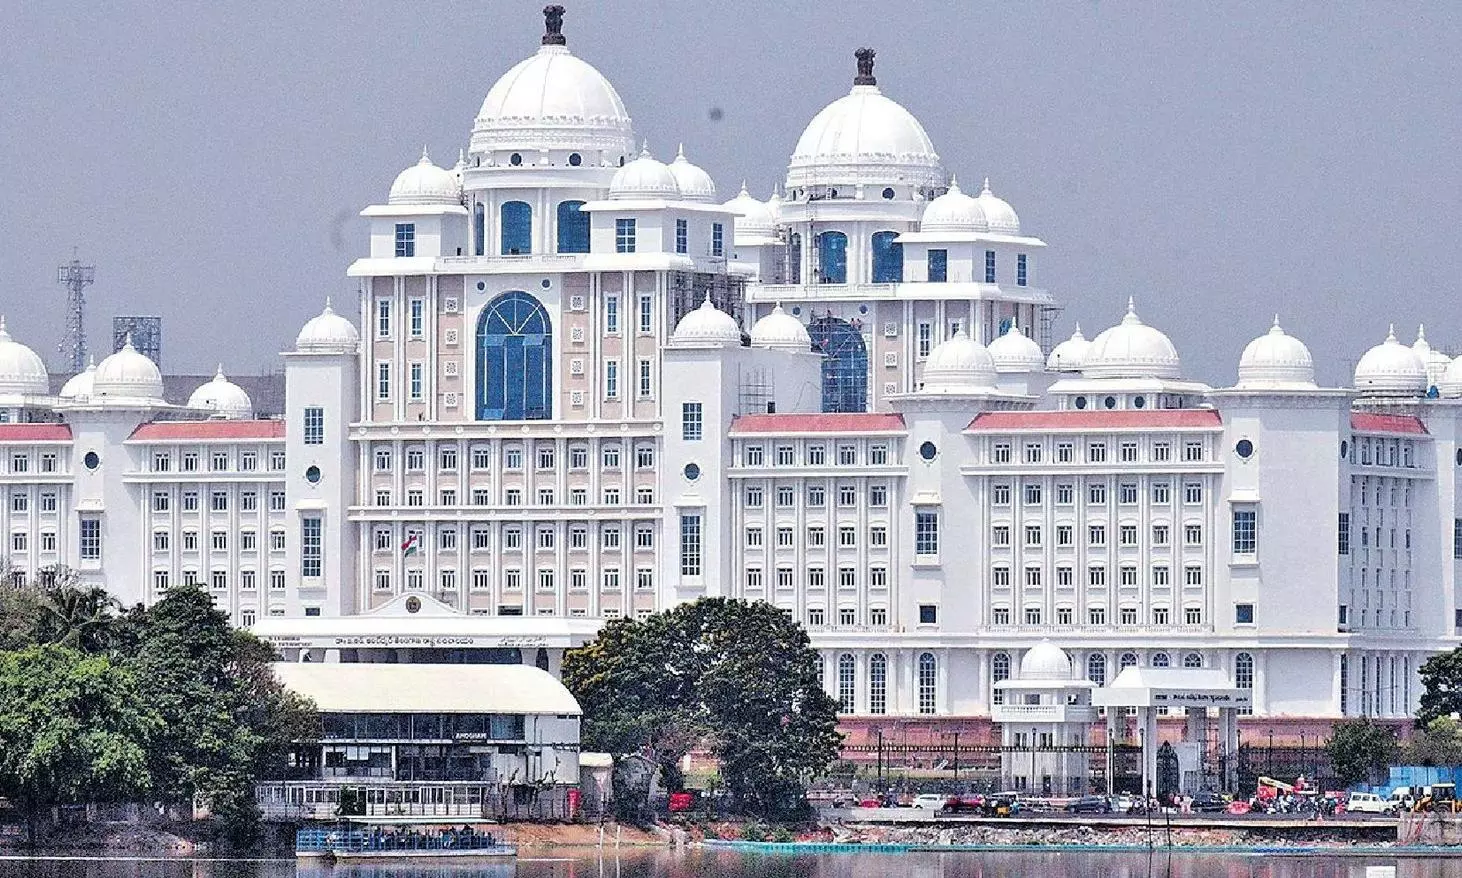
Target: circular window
312,475
1345,449
888,193
692,471
413,604
862,309
1110,402
481,286
928,450
515,159
91,460
546,283
797,310
1139,402
575,159
1081,402
1244,449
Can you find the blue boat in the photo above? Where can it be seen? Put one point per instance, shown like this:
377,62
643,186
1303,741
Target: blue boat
353,842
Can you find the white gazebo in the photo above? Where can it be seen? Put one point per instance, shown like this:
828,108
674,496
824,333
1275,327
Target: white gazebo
1045,717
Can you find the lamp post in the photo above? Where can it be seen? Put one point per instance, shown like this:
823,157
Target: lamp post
1271,753
1033,760
954,735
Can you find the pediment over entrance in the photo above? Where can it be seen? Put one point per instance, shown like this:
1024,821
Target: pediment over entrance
415,604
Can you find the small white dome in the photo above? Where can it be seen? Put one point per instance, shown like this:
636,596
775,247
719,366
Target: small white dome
128,375
864,137
425,183
753,218
693,183
780,331
224,398
1391,369
1069,355
707,326
1451,384
954,211
644,178
774,206
22,371
327,332
1045,661
1276,360
959,364
1436,361
1016,352
80,385
998,213
1131,349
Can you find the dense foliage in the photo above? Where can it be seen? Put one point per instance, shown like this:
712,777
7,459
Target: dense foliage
169,703
736,679
1441,687
1361,750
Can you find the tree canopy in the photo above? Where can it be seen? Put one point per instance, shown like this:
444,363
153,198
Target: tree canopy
738,679
1441,687
1361,749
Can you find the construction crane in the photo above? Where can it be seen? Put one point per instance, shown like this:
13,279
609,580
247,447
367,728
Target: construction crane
75,277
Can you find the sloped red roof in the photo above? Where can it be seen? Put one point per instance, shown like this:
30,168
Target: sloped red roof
819,422
1073,419
176,431
35,433
1372,422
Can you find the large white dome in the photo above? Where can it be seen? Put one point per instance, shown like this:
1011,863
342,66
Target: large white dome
1436,361
1276,361
1069,354
1391,369
954,211
959,364
327,332
645,177
692,181
223,397
128,375
864,137
22,371
780,331
425,183
553,100
1131,349
998,212
1045,661
753,218
1016,352
81,385
706,326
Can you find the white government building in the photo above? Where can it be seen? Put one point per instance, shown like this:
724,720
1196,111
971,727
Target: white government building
578,386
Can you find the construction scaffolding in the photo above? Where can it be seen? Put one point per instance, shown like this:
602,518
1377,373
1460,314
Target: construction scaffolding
145,334
689,289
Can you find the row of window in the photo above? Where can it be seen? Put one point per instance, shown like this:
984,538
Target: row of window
754,496
1097,493
218,501
545,538
20,503
543,456
246,460
610,495
1383,452
1096,535
1374,688
1161,451
813,454
814,577
248,540
926,683
45,462
512,579
1095,616
1160,576
938,265
847,536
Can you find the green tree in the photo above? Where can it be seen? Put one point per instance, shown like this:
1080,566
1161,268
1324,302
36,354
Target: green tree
77,617
1441,687
1440,743
73,728
1361,749
739,679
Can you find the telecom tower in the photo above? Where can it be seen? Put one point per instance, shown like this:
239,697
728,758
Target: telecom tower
75,277
145,333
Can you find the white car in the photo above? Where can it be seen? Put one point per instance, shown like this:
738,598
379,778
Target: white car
1366,803
930,801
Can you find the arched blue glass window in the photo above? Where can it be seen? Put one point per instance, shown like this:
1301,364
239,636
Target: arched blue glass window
517,222
844,364
832,257
479,229
514,360
888,258
573,228
794,259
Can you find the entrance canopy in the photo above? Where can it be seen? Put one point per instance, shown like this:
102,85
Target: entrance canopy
1172,687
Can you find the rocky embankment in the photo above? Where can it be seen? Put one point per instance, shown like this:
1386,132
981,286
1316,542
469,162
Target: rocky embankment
1307,834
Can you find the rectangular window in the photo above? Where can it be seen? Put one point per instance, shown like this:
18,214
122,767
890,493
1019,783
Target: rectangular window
416,316
938,266
928,614
416,388
312,532
611,314
1344,536
314,425
1020,269
406,239
611,380
624,235
718,240
989,266
926,532
1246,537
1243,614
690,544
926,335
682,236
647,314
1193,493
383,381
91,539
644,379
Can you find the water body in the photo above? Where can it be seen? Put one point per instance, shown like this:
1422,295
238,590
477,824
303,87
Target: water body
711,864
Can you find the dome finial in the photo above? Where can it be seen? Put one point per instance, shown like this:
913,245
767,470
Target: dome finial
461,157
425,158
218,374
1391,333
328,309
553,26
1276,329
865,75
986,189
680,152
4,333
743,189
1078,330
954,182
1421,332
644,149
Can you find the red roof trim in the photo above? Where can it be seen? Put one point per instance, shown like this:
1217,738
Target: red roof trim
855,422
1372,422
35,433
1126,419
174,431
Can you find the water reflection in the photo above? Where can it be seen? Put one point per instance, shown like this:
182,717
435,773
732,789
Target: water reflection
579,863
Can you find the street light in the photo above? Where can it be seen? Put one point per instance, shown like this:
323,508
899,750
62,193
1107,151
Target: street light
1271,753
955,735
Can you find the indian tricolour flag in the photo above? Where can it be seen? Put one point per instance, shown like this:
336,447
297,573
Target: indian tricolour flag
412,544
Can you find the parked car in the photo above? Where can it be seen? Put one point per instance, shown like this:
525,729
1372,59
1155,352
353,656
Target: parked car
1367,803
931,801
1089,805
968,803
1208,802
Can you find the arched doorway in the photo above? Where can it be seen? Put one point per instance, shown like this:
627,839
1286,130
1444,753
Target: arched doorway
844,364
514,360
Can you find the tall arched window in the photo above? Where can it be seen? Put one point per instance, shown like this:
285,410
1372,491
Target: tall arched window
888,258
1193,660
999,670
1128,660
1244,677
517,228
514,360
794,259
832,258
479,229
878,683
847,682
1160,660
1096,668
573,228
844,364
928,682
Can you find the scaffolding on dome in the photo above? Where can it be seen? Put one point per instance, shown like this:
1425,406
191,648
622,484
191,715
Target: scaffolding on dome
844,362
1046,322
755,393
689,289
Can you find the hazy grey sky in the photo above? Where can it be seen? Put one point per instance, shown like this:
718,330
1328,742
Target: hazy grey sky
1219,161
